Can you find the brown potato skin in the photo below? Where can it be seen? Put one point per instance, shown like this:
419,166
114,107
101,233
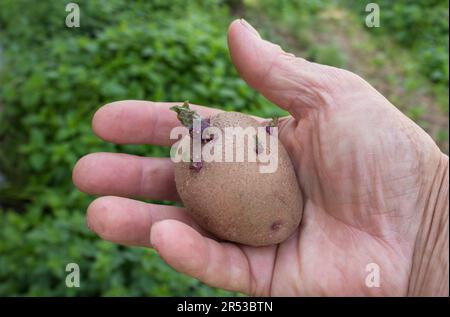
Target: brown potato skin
235,202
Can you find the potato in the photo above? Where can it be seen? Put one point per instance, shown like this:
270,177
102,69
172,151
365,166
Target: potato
234,200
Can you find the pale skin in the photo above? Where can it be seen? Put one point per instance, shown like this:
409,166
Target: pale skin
374,184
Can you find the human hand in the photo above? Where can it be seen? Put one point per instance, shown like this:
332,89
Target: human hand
375,187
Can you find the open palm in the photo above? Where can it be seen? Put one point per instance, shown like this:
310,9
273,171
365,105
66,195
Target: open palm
363,167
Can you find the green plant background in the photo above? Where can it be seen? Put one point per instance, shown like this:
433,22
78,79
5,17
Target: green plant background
53,78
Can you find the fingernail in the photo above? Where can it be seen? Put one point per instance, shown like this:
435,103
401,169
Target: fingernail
249,27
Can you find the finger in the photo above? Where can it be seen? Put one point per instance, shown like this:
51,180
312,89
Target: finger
128,222
293,83
221,265
125,175
140,122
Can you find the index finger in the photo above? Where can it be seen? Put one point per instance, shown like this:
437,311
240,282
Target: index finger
140,122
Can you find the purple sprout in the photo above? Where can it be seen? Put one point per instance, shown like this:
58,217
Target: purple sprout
272,124
196,166
204,124
187,116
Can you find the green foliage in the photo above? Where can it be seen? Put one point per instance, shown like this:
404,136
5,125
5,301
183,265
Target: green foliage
50,91
36,248
329,54
406,58
421,26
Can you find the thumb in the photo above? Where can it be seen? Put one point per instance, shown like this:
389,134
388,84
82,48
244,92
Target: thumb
292,83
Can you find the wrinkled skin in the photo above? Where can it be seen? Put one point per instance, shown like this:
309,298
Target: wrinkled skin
375,187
